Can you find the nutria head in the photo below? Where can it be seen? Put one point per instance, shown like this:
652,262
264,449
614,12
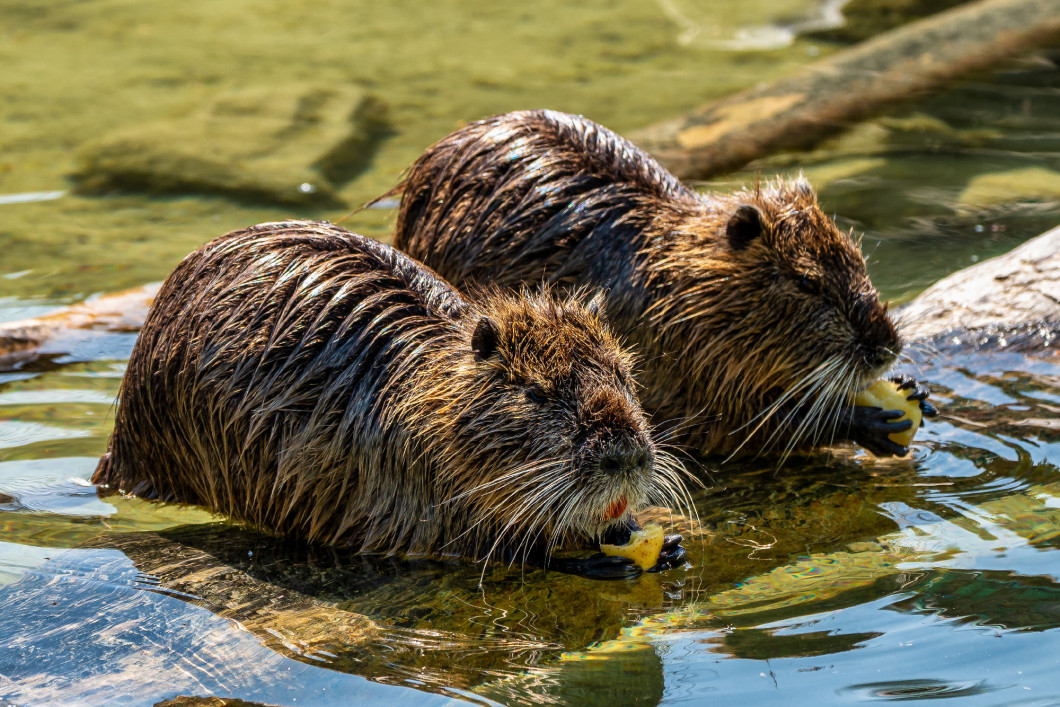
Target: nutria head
793,318
548,440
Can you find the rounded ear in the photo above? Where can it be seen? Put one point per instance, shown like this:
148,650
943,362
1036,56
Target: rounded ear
484,340
745,224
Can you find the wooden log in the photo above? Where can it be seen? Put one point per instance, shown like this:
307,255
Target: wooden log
798,111
119,311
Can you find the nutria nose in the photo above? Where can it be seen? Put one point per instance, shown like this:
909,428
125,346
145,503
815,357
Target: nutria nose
625,461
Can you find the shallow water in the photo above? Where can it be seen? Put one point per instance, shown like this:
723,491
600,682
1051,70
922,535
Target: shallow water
838,579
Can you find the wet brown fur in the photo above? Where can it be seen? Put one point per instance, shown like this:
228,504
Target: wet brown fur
314,382
750,341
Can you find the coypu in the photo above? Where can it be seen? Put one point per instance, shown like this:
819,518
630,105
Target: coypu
317,383
753,314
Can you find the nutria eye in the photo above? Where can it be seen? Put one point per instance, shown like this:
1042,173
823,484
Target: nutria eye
808,285
535,394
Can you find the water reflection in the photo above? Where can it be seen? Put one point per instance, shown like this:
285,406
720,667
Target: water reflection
81,629
917,690
796,572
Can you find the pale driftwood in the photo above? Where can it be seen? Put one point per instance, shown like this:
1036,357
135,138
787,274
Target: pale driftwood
119,312
1012,300
825,98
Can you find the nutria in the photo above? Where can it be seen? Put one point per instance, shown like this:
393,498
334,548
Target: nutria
753,314
317,383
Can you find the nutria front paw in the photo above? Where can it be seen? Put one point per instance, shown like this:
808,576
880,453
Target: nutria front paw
918,392
672,554
870,427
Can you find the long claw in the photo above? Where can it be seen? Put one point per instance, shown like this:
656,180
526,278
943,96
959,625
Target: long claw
672,554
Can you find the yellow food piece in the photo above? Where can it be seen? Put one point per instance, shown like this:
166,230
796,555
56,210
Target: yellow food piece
885,395
643,547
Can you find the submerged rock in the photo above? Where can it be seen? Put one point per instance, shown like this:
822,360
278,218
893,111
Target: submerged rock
287,144
1027,184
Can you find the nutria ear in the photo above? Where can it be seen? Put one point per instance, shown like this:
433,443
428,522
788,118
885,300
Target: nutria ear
484,340
746,224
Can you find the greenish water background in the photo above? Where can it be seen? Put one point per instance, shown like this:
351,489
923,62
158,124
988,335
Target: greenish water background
76,71
839,579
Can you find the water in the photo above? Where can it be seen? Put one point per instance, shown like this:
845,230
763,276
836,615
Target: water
837,579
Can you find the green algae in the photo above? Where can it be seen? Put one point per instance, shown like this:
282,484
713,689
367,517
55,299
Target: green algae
1026,184
78,71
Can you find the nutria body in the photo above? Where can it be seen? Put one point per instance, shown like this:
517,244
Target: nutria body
314,382
753,314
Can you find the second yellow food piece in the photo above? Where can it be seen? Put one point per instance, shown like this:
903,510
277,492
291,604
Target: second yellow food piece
643,547
885,395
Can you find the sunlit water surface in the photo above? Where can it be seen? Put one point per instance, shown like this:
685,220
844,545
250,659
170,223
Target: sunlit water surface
836,579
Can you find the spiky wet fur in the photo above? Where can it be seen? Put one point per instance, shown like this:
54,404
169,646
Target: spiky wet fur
734,351
317,383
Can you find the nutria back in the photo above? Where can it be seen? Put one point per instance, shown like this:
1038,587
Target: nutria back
317,383
754,315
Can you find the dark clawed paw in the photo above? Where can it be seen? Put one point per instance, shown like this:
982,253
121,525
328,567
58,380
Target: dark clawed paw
870,427
885,448
904,381
599,566
672,554
872,421
619,533
919,393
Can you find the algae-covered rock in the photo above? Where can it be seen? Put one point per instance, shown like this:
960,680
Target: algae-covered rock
190,701
1027,184
288,144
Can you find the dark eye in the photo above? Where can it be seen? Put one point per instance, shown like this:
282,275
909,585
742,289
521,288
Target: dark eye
535,394
808,285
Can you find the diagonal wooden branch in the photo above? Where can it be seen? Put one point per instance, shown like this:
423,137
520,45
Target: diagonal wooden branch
119,311
825,98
